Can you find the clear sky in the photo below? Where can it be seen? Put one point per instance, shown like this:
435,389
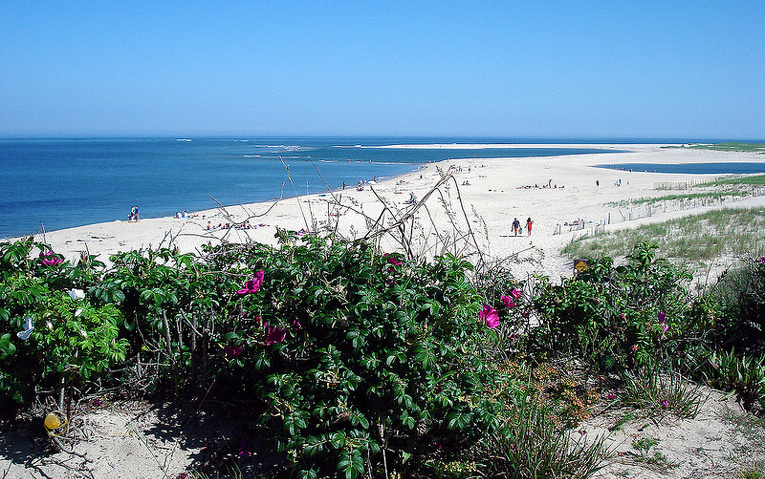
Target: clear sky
516,69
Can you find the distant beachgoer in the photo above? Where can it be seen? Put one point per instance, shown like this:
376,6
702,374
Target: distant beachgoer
516,226
209,226
134,214
597,182
529,224
185,214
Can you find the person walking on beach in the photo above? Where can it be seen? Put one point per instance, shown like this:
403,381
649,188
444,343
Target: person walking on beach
529,224
516,226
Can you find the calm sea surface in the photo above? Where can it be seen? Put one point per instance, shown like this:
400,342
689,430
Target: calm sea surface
693,168
72,182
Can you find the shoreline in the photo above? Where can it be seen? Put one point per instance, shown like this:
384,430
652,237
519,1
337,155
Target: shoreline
493,191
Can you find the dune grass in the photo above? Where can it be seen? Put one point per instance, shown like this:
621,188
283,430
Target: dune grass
755,180
693,239
727,146
711,195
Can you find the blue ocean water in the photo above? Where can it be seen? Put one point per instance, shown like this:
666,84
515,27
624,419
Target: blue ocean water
61,183
692,168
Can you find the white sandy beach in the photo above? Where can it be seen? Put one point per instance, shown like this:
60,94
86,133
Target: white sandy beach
489,192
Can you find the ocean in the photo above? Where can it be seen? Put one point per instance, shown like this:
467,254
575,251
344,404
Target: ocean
62,183
692,168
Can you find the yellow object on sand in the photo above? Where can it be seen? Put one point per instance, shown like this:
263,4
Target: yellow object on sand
53,422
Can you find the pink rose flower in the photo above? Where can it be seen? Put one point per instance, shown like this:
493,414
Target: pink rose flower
232,351
508,302
254,284
275,334
392,260
489,316
49,258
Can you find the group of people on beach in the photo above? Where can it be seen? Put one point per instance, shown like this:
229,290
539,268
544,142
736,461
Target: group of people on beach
536,186
237,226
518,230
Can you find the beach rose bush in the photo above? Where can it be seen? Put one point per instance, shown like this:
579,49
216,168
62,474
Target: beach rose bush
49,330
349,360
618,316
345,354
354,353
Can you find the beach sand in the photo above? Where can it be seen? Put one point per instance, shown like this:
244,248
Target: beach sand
484,197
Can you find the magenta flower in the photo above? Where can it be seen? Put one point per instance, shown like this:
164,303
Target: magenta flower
489,316
762,260
664,329
662,318
245,448
508,302
609,396
49,258
275,334
664,403
232,351
254,284
634,348
515,293
392,260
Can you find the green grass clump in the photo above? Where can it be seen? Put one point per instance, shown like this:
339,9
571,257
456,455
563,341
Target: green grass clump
755,180
534,446
727,146
712,195
695,239
661,393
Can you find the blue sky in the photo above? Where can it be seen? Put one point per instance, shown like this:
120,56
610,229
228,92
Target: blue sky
609,69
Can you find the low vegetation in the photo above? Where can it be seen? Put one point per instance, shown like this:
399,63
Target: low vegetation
726,146
711,197
692,240
753,180
349,362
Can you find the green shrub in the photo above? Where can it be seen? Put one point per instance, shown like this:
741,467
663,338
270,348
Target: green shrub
616,316
354,361
355,354
46,335
740,292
